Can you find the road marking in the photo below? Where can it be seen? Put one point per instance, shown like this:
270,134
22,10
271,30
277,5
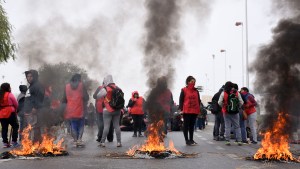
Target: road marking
209,142
198,135
4,160
233,156
203,139
220,148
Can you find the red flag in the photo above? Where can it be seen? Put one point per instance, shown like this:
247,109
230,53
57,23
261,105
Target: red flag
222,50
238,23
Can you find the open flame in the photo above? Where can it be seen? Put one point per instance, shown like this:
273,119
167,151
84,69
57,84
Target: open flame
47,146
275,144
154,142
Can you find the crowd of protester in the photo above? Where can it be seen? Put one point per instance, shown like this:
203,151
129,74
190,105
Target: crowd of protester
35,106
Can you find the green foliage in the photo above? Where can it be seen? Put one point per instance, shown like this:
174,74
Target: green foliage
7,47
58,75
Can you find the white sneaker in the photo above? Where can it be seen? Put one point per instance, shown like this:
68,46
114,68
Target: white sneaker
119,144
80,143
102,145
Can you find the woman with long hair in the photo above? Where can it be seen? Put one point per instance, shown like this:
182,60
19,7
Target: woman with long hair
8,115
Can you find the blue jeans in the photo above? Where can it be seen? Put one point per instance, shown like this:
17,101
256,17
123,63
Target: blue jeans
232,119
243,127
252,124
77,126
219,127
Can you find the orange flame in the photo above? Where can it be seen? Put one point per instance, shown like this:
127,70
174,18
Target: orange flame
46,146
275,144
153,142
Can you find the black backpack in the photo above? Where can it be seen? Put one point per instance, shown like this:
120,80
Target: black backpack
117,101
233,103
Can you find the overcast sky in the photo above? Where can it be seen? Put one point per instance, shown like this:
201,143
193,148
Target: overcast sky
204,31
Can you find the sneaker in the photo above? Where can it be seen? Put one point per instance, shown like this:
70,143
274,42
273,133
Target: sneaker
245,142
254,142
6,145
239,143
119,144
188,143
102,145
98,140
221,138
15,144
216,138
193,142
79,143
134,135
227,143
140,135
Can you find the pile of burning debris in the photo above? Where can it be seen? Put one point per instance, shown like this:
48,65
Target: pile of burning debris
154,147
46,148
275,146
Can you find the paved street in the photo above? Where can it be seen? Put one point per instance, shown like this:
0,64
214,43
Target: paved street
212,155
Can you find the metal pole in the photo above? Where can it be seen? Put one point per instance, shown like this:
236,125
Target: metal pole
243,67
225,67
247,66
213,56
229,72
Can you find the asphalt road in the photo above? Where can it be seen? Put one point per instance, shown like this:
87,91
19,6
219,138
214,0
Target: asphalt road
212,155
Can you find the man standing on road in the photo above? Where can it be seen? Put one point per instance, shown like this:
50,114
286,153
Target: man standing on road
34,100
219,126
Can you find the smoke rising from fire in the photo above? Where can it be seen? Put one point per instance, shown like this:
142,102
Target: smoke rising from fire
277,69
162,48
163,43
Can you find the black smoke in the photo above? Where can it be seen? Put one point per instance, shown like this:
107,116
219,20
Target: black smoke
163,44
277,69
162,48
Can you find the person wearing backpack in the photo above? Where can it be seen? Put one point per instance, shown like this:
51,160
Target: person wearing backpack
99,116
219,126
231,101
249,108
189,104
113,103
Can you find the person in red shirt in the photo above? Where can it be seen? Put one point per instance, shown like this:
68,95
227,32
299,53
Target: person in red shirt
189,104
8,115
76,98
249,108
136,110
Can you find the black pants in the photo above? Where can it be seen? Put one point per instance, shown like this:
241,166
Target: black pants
219,127
137,123
13,121
189,121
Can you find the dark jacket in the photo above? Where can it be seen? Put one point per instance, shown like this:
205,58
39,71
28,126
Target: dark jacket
35,94
215,100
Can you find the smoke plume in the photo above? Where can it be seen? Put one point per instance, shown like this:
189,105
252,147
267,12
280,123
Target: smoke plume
162,48
277,69
163,43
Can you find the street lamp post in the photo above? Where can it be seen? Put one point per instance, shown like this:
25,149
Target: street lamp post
247,67
241,24
229,72
224,51
213,56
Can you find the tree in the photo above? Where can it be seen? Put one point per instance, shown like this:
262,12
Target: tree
7,47
58,75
